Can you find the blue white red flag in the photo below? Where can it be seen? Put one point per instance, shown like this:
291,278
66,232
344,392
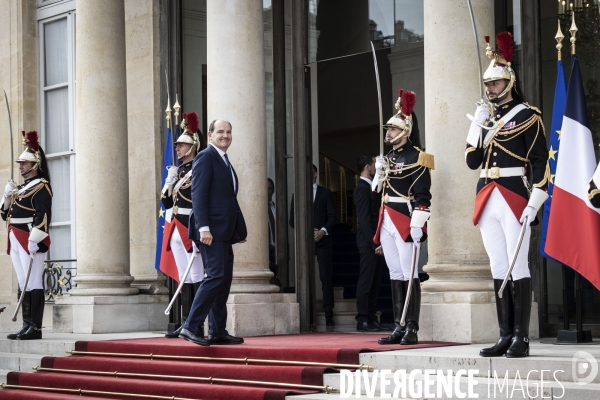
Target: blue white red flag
574,224
558,111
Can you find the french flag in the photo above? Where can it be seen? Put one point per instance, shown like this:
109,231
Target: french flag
573,236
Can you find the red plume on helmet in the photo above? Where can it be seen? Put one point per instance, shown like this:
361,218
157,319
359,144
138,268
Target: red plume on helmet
31,140
504,40
191,120
409,99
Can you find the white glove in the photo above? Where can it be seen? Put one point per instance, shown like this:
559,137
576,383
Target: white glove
32,247
481,114
171,175
380,163
9,189
380,167
530,213
416,234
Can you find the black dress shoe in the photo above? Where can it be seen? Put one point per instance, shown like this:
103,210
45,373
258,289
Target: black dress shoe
381,327
175,333
329,321
187,335
394,338
366,327
225,339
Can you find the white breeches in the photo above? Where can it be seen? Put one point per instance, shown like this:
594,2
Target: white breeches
397,252
500,231
20,259
182,258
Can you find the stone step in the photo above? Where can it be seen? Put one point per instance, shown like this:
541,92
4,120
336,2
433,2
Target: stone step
3,373
340,305
339,317
20,361
542,356
483,389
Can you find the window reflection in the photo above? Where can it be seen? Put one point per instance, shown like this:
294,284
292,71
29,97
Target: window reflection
335,31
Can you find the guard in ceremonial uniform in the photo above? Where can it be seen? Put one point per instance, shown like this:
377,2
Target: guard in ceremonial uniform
177,194
27,211
404,175
511,145
594,188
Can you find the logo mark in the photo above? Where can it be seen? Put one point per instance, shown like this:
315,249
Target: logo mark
584,368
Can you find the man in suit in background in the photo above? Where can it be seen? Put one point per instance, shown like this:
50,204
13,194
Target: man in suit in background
218,218
324,218
367,205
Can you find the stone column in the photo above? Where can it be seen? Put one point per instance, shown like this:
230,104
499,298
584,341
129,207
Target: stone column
236,92
19,77
144,117
458,300
101,301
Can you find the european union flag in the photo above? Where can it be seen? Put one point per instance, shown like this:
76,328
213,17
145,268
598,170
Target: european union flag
558,110
167,162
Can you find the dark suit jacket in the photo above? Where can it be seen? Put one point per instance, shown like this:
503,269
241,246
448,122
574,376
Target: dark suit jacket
214,200
367,211
323,213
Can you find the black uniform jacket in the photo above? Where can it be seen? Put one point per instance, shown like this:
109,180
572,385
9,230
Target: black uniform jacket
182,198
409,178
520,143
34,203
594,194
367,205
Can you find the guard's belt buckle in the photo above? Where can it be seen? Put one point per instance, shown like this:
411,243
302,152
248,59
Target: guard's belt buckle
175,210
494,173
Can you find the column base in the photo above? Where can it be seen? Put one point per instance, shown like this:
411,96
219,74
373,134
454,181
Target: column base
103,285
150,284
263,314
466,317
109,314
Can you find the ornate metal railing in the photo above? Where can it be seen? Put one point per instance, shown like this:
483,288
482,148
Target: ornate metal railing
57,278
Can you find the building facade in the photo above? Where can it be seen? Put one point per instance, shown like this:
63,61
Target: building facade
296,79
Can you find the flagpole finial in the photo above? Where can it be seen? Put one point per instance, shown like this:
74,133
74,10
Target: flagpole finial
559,38
176,107
168,112
573,31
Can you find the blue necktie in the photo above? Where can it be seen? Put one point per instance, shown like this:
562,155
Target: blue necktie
227,160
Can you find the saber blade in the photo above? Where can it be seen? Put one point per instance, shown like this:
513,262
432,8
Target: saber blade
24,288
515,255
379,100
413,265
12,156
476,45
185,275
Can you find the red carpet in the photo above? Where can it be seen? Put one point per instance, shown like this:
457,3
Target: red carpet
331,348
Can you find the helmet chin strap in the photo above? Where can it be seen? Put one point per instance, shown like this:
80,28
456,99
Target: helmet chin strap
397,138
23,174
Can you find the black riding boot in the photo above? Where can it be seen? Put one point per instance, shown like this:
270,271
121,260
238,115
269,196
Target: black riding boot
26,312
398,297
38,299
520,342
504,311
187,297
412,314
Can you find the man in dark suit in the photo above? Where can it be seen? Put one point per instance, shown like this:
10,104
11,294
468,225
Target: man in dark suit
218,218
367,205
324,218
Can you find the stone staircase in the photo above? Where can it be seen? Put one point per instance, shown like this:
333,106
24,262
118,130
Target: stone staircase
556,361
